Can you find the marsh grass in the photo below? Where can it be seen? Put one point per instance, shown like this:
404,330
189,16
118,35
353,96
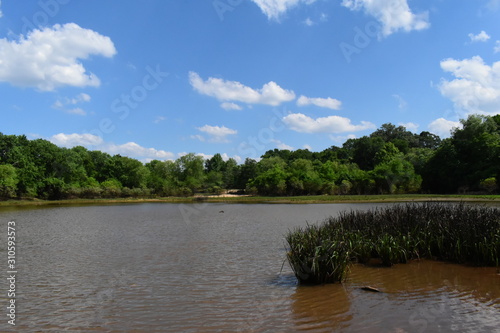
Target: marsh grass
452,232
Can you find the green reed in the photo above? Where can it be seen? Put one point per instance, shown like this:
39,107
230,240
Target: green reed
453,232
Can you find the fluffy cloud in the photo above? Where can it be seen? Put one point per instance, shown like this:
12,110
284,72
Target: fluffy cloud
480,37
230,106
443,127
412,127
476,87
49,58
269,94
1,14
134,150
281,145
94,142
496,49
273,9
394,15
329,103
402,104
216,133
72,140
332,124
63,103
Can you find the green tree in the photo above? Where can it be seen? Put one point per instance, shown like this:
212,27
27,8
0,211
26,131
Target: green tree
8,181
190,170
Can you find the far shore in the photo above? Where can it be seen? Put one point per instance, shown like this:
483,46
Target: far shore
233,198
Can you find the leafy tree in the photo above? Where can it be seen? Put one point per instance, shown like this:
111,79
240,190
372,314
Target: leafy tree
190,171
216,163
8,181
364,150
248,171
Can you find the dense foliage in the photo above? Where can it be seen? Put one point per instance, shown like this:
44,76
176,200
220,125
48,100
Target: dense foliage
395,234
390,160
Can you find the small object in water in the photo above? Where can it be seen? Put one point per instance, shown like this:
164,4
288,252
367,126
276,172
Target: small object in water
221,211
368,288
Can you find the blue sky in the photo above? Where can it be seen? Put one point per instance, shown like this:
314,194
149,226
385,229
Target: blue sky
157,79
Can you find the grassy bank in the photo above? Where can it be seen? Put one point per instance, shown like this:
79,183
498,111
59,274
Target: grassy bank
260,199
396,234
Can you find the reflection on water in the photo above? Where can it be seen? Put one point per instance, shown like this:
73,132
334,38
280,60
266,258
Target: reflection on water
189,268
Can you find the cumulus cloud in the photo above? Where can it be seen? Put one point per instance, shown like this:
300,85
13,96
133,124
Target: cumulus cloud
402,104
329,103
281,145
132,149
273,9
480,37
50,57
94,142
63,103
412,127
159,119
73,140
269,94
332,124
475,87
1,14
443,127
216,133
230,106
496,49
394,15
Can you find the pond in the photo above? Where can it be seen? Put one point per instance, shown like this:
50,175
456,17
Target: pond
219,268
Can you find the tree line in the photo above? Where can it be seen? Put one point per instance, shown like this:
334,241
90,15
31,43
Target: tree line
389,160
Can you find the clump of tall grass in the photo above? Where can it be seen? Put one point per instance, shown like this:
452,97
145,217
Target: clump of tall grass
396,234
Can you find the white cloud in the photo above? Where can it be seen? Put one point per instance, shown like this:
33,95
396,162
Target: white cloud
77,111
49,58
308,147
282,145
62,103
443,127
496,49
332,124
72,140
94,142
273,9
159,119
132,149
480,37
230,106
476,87
402,104
412,127
394,15
308,22
340,139
329,102
269,94
217,133
1,14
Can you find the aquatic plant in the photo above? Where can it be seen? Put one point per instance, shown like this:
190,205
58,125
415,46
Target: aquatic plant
396,234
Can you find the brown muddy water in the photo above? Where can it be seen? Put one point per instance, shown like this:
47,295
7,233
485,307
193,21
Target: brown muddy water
218,268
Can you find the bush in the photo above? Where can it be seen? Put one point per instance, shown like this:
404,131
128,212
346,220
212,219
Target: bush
396,234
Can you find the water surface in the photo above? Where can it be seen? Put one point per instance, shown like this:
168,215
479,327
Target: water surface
218,268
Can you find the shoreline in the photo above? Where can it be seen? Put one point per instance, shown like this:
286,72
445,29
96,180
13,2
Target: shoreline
319,199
